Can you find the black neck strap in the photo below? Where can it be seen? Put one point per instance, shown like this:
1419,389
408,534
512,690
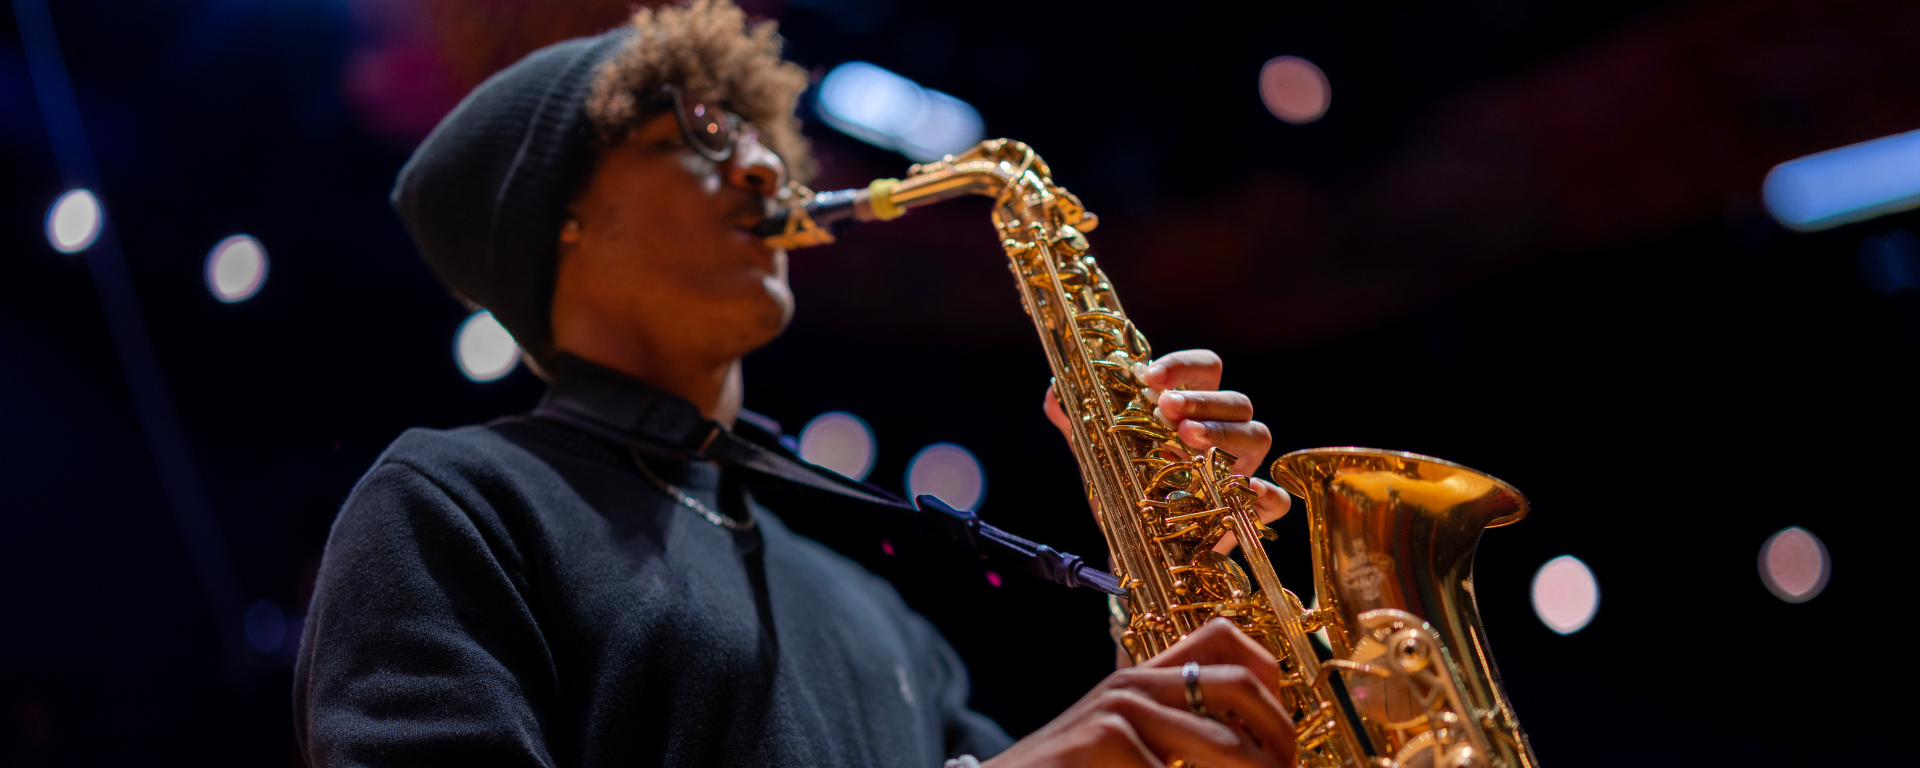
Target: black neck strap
931,518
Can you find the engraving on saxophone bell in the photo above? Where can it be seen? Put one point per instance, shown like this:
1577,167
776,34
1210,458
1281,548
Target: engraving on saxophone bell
1404,631
1362,572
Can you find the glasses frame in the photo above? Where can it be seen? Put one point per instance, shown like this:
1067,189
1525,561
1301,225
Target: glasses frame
687,112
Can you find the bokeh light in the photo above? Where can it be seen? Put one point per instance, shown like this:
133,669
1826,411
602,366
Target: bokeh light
1565,594
839,441
884,109
483,348
265,626
236,268
949,473
1294,89
73,222
1890,262
1794,565
1852,183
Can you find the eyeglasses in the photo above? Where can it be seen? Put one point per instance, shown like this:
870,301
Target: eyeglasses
710,130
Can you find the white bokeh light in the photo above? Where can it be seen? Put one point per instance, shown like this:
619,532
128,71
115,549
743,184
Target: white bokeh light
949,473
839,441
1794,565
1565,594
484,349
73,222
236,268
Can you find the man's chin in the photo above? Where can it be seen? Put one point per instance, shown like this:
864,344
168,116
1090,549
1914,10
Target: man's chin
778,311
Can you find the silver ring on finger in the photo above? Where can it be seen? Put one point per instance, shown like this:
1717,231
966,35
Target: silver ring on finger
1190,672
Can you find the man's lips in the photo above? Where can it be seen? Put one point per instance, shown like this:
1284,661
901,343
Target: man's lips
746,229
752,226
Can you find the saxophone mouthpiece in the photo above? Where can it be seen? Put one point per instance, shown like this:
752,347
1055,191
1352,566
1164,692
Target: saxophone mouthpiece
825,214
826,209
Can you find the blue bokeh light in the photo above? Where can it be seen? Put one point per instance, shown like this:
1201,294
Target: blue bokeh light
1844,185
265,626
881,108
1890,262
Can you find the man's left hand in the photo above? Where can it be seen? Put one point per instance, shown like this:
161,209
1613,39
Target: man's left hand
1205,416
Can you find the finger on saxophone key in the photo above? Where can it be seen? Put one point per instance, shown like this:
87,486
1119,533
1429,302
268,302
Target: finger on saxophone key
1192,368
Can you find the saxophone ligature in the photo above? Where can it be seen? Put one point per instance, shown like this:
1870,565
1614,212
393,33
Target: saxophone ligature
1405,679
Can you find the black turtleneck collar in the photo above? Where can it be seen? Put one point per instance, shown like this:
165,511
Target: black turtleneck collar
639,409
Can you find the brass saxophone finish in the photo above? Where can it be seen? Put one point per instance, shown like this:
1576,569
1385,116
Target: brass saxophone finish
1163,506
1393,540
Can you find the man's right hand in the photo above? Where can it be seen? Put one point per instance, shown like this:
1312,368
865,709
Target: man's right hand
1138,716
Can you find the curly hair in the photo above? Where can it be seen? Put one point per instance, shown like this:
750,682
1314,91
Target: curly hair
707,48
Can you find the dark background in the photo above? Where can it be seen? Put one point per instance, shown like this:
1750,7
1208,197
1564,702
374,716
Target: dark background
1526,237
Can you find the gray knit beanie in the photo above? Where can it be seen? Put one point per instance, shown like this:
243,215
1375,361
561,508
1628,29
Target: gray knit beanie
485,195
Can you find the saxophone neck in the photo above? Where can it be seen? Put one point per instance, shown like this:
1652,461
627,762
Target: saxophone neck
991,169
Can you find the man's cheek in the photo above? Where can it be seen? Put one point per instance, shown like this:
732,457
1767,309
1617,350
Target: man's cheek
707,171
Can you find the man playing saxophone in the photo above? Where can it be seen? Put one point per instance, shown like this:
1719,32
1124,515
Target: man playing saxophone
587,584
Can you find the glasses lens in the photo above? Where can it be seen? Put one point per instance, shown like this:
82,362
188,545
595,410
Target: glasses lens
707,128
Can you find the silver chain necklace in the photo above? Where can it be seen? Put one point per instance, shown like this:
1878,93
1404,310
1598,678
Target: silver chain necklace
688,501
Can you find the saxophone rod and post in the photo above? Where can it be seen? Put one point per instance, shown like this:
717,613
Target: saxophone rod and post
1410,681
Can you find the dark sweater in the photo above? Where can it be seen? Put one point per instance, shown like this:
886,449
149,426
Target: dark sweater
519,594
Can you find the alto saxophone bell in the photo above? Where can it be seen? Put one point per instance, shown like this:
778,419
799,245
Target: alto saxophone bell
1393,537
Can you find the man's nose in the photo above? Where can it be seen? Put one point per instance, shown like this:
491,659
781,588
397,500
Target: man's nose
756,168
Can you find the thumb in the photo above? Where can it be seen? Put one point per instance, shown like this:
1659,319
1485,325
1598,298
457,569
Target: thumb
1055,414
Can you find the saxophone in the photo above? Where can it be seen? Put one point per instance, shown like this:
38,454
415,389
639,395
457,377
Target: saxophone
1393,533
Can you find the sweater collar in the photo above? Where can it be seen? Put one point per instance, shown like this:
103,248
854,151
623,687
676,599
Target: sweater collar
639,409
